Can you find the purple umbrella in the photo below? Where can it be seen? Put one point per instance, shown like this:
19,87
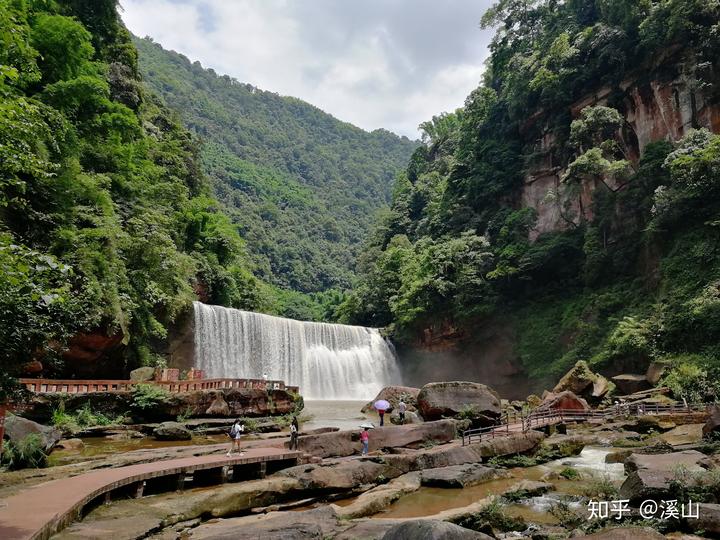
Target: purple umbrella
381,405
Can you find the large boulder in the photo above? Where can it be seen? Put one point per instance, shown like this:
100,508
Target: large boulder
650,475
172,431
393,395
380,497
681,435
245,402
629,383
708,521
451,454
461,476
339,475
240,402
18,428
317,523
440,399
526,489
712,425
563,400
410,418
142,374
430,529
347,443
655,371
577,380
218,407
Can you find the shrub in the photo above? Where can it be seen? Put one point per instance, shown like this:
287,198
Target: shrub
65,422
27,453
187,413
467,412
81,418
689,378
86,417
146,397
701,487
566,516
600,489
569,473
518,460
251,425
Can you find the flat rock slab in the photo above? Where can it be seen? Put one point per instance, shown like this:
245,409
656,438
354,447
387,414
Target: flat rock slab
650,475
317,523
708,521
527,488
687,434
347,443
429,529
461,476
380,497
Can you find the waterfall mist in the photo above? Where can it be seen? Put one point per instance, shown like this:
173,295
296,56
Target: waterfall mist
327,361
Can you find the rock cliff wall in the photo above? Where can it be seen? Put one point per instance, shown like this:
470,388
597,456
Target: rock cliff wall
662,102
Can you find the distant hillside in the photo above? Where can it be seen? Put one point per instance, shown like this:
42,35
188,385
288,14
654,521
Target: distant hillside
303,186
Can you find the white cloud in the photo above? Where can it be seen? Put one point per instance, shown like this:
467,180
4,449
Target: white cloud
375,63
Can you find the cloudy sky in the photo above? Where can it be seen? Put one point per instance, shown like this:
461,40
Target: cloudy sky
375,63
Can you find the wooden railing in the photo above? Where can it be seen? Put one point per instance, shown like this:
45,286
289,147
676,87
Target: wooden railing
76,386
516,422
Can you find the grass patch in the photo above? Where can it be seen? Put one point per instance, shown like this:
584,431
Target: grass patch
27,453
570,473
600,489
72,422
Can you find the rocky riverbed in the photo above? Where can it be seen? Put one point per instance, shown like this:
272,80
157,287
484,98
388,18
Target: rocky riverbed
419,477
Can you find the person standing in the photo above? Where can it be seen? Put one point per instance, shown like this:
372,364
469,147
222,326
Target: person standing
365,439
401,411
294,428
235,433
381,413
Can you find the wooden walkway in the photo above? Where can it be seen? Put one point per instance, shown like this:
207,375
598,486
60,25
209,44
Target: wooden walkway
521,423
44,509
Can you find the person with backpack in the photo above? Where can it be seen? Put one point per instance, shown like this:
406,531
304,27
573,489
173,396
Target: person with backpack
294,429
236,431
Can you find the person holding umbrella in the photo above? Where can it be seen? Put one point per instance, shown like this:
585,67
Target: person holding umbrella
381,406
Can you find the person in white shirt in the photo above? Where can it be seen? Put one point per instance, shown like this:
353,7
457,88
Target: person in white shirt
236,431
401,411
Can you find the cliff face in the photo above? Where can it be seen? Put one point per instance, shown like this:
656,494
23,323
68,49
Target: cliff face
674,99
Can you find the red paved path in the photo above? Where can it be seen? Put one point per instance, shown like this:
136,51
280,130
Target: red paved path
43,509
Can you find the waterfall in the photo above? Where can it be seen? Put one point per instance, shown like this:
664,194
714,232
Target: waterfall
327,361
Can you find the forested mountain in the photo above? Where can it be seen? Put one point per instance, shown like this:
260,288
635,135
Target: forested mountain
108,228
573,202
303,186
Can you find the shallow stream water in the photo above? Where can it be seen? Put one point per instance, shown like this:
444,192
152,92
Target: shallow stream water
334,413
590,463
325,413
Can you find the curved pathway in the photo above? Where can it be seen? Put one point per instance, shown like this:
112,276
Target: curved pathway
43,509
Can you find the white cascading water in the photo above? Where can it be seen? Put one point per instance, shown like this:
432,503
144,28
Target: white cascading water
327,361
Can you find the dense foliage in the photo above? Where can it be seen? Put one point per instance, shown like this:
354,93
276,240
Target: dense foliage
106,222
303,186
631,278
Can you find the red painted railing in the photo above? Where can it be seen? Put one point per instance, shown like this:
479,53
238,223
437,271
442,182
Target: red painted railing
76,386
